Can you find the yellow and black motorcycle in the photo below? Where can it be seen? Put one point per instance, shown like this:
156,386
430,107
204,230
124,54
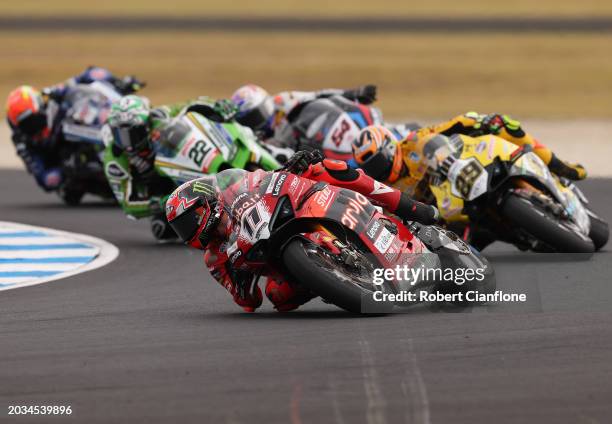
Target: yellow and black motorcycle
490,189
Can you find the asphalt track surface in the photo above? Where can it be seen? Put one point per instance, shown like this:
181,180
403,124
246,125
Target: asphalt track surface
284,24
150,338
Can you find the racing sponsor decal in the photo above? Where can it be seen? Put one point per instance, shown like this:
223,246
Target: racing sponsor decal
354,208
202,187
271,183
75,132
446,202
393,251
279,184
114,170
491,150
324,198
373,229
234,257
239,208
296,187
384,240
380,188
293,185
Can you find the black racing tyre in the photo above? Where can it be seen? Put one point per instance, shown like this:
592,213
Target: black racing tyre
484,280
72,197
315,269
560,236
161,229
600,232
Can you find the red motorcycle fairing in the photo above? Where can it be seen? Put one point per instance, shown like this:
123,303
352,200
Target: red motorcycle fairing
252,201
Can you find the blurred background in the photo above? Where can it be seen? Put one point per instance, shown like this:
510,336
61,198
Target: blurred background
423,73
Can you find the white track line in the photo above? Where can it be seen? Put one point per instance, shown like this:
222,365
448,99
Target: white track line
33,240
10,254
101,253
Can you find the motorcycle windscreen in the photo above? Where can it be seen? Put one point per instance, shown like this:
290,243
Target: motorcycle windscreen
231,183
170,136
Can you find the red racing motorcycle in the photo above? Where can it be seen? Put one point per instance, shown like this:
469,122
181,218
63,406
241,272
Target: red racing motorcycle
332,241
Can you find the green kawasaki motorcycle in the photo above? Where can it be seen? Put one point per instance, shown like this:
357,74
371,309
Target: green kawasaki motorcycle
187,146
194,145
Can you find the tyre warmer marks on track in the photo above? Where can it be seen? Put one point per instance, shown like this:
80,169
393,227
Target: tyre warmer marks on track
32,255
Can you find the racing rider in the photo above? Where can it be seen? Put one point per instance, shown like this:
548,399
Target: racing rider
269,116
381,156
472,124
35,119
133,135
196,212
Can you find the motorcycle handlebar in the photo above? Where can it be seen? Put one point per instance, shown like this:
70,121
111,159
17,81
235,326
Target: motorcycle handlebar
412,210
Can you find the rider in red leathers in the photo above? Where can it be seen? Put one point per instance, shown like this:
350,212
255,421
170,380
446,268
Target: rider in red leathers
195,211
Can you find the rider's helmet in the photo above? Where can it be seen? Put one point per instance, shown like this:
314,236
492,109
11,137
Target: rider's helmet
194,211
25,110
376,151
255,107
129,120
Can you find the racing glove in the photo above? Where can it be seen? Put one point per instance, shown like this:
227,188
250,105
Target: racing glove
246,293
129,84
226,109
55,92
22,142
365,94
411,210
223,110
492,123
300,161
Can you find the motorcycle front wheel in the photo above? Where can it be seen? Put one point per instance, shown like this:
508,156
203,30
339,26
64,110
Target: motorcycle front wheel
71,197
348,287
600,231
547,228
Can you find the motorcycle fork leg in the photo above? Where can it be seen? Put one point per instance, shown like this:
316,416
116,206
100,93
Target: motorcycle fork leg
327,239
522,184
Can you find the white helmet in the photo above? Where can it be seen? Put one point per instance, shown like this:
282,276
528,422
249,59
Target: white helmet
255,107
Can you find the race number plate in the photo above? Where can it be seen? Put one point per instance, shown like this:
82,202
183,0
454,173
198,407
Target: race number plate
468,178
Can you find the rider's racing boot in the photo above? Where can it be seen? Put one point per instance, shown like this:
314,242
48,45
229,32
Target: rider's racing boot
286,296
568,170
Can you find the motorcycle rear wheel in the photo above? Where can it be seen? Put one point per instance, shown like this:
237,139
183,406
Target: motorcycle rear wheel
72,197
544,226
316,269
